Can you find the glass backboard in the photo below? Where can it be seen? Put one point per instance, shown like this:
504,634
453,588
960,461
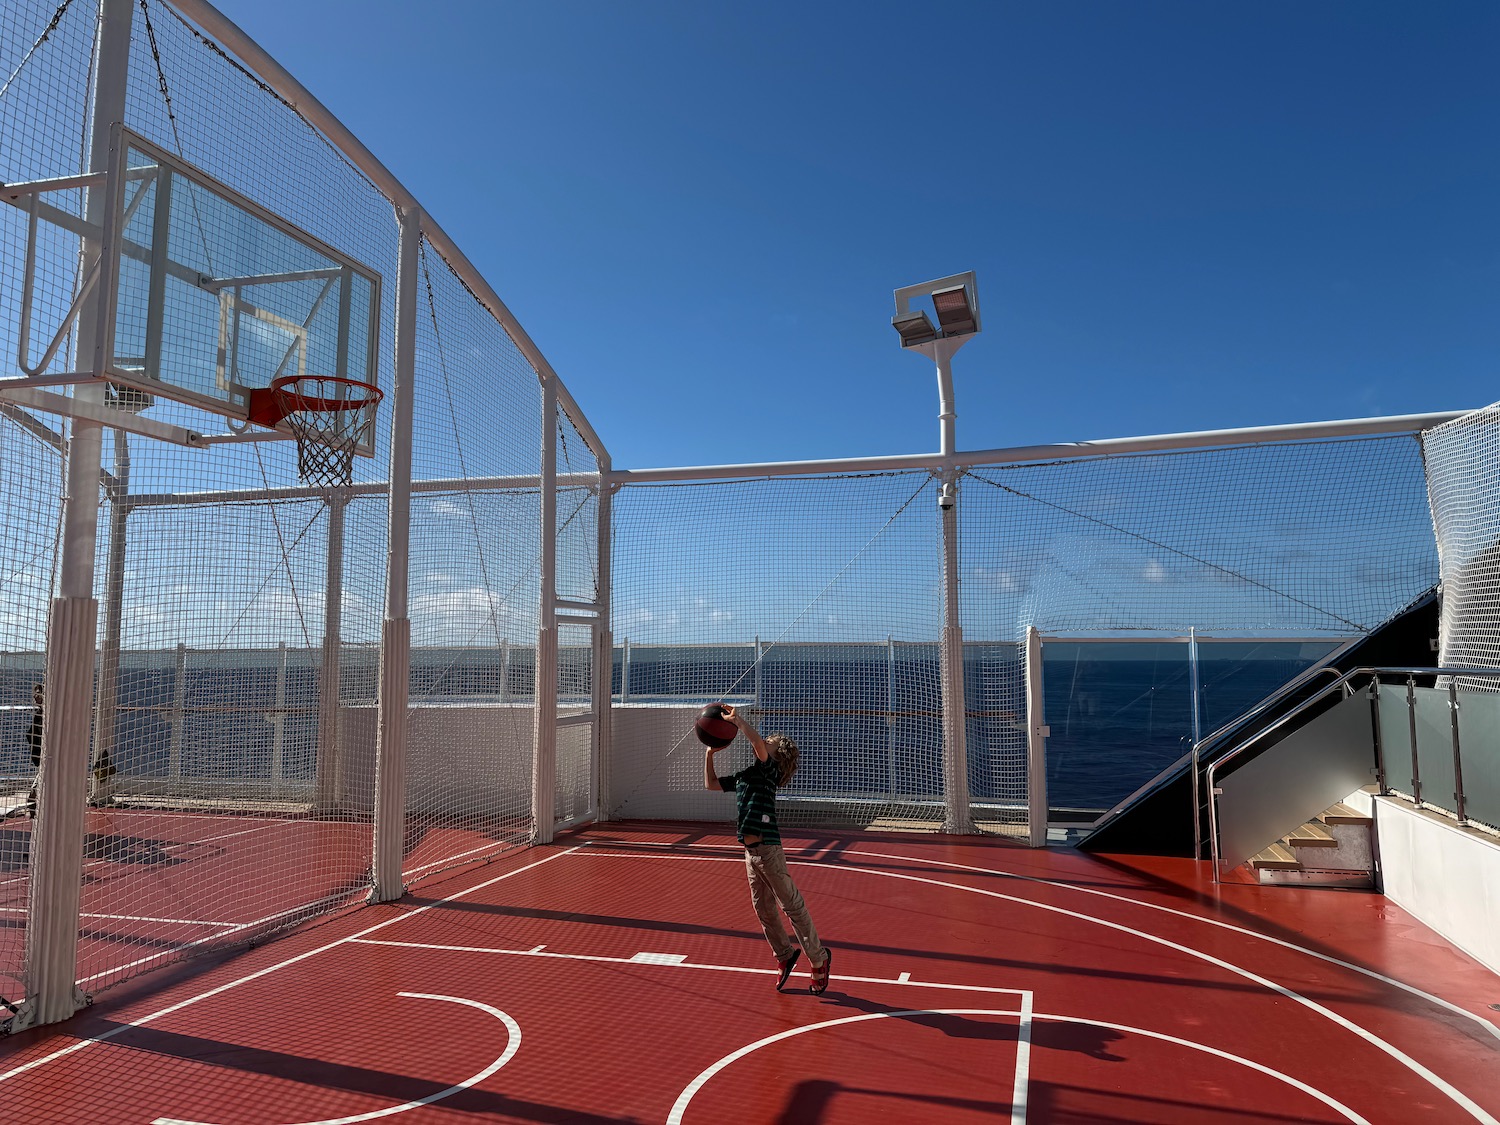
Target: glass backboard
218,296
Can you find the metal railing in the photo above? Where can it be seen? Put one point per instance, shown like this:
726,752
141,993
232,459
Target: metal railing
1345,683
1293,685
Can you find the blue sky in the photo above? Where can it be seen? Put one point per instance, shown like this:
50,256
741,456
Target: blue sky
1183,215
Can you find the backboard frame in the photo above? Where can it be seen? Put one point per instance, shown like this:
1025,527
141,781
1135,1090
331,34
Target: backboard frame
232,400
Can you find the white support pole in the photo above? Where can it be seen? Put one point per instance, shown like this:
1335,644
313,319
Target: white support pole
278,720
955,733
544,722
62,781
395,631
1195,672
890,717
179,713
955,719
604,657
107,690
1038,811
329,670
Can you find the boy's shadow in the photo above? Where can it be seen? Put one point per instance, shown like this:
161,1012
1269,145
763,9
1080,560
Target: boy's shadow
1094,1042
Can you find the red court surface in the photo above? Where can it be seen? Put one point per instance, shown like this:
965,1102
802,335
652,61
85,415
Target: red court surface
619,976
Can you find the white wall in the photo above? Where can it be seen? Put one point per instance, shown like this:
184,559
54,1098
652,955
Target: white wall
1445,876
463,760
657,766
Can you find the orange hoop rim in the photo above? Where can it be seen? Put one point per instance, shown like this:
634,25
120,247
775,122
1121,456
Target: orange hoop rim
290,400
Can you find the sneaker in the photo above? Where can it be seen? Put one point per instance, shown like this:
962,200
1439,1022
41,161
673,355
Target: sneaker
820,973
786,969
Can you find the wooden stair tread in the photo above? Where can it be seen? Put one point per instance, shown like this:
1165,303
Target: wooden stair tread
1343,814
1275,858
1311,835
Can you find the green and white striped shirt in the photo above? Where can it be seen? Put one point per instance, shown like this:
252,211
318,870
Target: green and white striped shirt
755,799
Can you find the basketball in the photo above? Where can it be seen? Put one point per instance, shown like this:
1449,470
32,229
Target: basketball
713,729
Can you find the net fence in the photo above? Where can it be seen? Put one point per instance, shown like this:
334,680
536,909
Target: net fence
813,602
817,604
1463,480
241,610
1318,541
233,779
475,580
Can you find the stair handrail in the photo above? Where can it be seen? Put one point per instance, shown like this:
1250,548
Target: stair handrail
1236,751
1301,679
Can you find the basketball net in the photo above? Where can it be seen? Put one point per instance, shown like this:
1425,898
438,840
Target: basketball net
329,417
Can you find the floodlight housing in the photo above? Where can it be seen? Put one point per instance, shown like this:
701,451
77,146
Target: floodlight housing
914,328
953,311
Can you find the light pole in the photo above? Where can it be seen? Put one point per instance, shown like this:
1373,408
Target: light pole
955,301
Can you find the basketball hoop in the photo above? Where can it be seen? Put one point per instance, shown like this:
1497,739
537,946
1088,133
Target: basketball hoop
329,417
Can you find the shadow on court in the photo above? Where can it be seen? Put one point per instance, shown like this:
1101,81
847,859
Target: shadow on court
116,848
307,1071
810,1101
447,913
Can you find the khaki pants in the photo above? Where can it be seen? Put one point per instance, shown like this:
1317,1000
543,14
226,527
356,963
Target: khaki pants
770,885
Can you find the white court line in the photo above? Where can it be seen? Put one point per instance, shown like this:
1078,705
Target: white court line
1455,1095
684,964
1350,965
1474,1110
1022,1086
233,927
134,918
158,1014
512,1044
1392,981
1018,1111
182,844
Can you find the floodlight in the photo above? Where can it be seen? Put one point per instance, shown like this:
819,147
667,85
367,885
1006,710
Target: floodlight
914,327
953,311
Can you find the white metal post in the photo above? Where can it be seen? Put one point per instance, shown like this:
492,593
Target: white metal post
1197,738
544,720
940,343
890,716
62,783
107,690
395,633
179,713
604,694
1038,811
955,717
329,672
278,720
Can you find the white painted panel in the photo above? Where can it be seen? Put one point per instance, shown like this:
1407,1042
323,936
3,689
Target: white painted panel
1446,877
656,766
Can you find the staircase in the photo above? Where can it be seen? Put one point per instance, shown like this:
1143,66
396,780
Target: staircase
1332,850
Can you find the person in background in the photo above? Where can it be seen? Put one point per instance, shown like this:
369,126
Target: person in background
34,739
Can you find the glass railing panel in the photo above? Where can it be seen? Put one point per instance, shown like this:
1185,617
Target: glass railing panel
1479,741
1395,737
1120,713
1435,748
1234,676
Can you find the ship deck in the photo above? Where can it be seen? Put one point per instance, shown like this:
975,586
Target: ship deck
618,975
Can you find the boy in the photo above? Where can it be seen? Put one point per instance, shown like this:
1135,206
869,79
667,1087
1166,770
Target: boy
755,788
